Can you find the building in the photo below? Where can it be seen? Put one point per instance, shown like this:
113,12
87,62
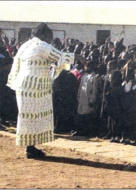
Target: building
86,23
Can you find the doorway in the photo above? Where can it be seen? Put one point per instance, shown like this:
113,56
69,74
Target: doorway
102,35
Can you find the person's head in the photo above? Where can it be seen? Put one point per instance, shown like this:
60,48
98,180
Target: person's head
57,43
107,58
12,41
89,67
118,47
110,45
111,66
78,48
43,32
101,69
95,53
73,43
85,53
79,66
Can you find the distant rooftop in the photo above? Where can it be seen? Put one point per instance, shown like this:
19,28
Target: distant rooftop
85,12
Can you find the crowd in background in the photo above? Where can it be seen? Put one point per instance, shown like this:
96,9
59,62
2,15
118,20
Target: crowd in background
8,106
95,98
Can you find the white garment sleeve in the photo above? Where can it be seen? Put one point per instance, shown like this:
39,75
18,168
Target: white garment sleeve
14,72
16,67
63,59
55,55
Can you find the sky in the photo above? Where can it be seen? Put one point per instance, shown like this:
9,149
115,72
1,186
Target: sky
90,12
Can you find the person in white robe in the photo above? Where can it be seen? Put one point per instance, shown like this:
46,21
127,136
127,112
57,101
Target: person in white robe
30,78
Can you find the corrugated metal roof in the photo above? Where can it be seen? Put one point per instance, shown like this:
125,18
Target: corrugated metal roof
96,12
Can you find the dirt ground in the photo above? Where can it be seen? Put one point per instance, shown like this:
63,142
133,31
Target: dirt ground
60,169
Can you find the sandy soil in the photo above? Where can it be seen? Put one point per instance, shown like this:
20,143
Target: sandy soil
61,169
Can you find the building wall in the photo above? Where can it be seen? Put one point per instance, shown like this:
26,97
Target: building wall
86,32
83,32
15,26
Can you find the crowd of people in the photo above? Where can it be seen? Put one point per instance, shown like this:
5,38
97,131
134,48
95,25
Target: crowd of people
8,106
95,98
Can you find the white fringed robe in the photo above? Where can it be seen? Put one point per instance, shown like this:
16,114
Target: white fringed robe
30,78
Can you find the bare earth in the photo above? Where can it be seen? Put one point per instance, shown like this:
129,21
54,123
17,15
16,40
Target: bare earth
63,168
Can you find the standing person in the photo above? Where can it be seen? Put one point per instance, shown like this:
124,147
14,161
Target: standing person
65,89
88,103
115,106
30,78
5,66
111,67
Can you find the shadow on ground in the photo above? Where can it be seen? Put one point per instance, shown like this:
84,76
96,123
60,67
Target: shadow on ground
81,162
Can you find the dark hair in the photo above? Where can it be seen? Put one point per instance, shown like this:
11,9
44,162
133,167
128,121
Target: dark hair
43,32
79,65
101,69
57,43
112,65
90,67
78,48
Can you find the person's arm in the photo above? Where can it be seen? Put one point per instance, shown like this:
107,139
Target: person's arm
54,55
63,59
14,72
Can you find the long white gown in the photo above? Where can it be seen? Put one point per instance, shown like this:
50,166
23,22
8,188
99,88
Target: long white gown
30,78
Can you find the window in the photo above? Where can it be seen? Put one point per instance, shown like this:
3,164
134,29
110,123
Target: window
59,34
24,34
102,35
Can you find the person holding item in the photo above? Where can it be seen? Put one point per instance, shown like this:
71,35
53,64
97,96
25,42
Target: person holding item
30,78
